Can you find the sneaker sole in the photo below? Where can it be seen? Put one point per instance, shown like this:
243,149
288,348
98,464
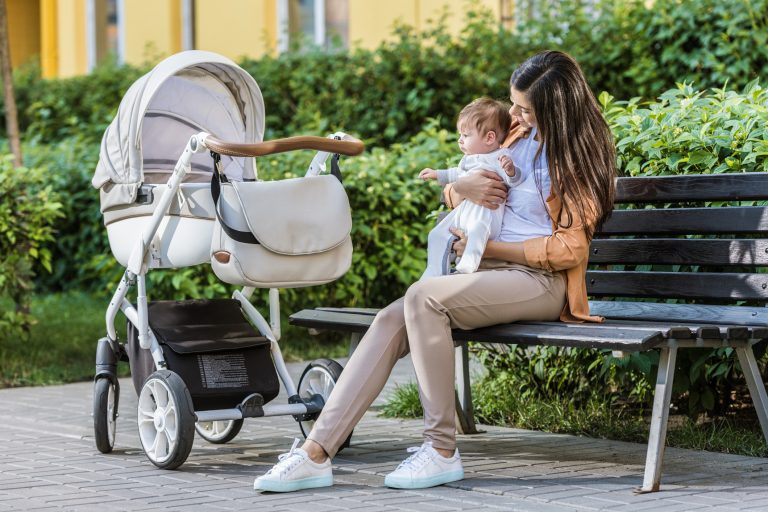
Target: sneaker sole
422,483
293,485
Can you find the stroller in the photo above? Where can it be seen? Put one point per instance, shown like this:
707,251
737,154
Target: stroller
206,365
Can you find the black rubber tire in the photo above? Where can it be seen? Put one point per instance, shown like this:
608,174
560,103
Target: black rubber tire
104,414
331,369
232,430
165,389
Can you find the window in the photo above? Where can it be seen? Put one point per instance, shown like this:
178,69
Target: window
102,31
304,23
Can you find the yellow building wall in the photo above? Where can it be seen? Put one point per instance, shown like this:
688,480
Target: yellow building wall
71,38
56,29
236,28
371,22
49,47
152,30
23,30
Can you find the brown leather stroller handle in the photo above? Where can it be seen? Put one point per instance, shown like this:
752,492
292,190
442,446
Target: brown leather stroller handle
348,146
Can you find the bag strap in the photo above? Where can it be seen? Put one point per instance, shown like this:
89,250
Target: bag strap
217,178
335,170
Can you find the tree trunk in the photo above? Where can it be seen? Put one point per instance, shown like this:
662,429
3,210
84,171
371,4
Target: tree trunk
11,116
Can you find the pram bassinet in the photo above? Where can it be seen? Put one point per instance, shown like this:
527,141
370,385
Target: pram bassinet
187,93
197,365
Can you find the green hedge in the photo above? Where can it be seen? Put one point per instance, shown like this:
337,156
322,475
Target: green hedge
385,95
690,131
28,212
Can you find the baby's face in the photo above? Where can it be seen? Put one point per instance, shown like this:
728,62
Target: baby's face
471,142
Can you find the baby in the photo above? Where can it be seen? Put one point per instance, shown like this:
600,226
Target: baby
483,126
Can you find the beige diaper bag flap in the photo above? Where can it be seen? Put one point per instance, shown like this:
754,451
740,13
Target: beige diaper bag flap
281,234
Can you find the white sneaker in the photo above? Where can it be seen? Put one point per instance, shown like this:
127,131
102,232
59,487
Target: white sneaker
425,468
294,472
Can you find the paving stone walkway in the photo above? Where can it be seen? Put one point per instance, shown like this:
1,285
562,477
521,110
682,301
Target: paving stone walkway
48,461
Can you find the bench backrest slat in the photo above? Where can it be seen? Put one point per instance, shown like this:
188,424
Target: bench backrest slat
720,252
688,221
690,285
695,313
679,251
702,187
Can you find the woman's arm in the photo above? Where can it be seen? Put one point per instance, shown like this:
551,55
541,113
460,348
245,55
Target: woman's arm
565,248
485,188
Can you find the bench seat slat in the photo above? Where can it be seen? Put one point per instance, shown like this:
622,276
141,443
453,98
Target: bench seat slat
687,221
689,285
612,333
540,333
676,251
332,320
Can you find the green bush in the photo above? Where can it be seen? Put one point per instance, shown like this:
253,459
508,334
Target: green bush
28,212
386,95
82,106
80,234
692,131
638,48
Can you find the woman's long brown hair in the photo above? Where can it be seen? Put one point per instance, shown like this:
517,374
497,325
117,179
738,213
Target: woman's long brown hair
576,139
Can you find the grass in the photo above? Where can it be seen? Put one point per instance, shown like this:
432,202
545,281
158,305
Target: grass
62,344
594,419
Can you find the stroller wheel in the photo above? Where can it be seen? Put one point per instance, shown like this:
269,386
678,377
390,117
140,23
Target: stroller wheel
319,378
166,421
105,396
218,432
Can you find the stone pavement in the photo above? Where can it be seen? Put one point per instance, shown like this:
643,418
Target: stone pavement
48,461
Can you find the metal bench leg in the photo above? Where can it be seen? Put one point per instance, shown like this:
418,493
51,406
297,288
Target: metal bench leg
659,419
465,415
353,342
756,386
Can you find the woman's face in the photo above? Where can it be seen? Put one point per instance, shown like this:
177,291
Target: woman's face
521,110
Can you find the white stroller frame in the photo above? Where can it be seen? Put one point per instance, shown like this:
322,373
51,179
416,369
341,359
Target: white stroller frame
166,416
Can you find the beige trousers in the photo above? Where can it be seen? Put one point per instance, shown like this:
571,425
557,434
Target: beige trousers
421,322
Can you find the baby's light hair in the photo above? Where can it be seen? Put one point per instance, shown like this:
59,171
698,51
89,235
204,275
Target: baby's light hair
486,115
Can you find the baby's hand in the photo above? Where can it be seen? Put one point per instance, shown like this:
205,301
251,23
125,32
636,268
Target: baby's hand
428,174
507,165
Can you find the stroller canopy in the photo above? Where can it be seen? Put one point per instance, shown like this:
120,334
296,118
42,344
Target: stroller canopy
189,92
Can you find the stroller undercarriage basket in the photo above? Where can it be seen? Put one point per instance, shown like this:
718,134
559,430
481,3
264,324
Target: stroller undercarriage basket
218,354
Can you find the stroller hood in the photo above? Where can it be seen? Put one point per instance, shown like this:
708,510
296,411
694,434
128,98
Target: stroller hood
189,92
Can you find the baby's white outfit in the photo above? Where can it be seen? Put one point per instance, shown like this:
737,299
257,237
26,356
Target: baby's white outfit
479,223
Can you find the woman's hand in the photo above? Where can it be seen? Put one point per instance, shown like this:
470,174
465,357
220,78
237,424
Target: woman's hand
483,187
460,244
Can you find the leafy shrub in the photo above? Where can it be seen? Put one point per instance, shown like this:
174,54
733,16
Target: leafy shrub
555,373
27,215
692,131
80,234
386,95
638,48
82,106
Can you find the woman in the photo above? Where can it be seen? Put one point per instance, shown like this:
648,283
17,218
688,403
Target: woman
563,143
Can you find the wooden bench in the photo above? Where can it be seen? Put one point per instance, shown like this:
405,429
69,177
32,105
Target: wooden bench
678,274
